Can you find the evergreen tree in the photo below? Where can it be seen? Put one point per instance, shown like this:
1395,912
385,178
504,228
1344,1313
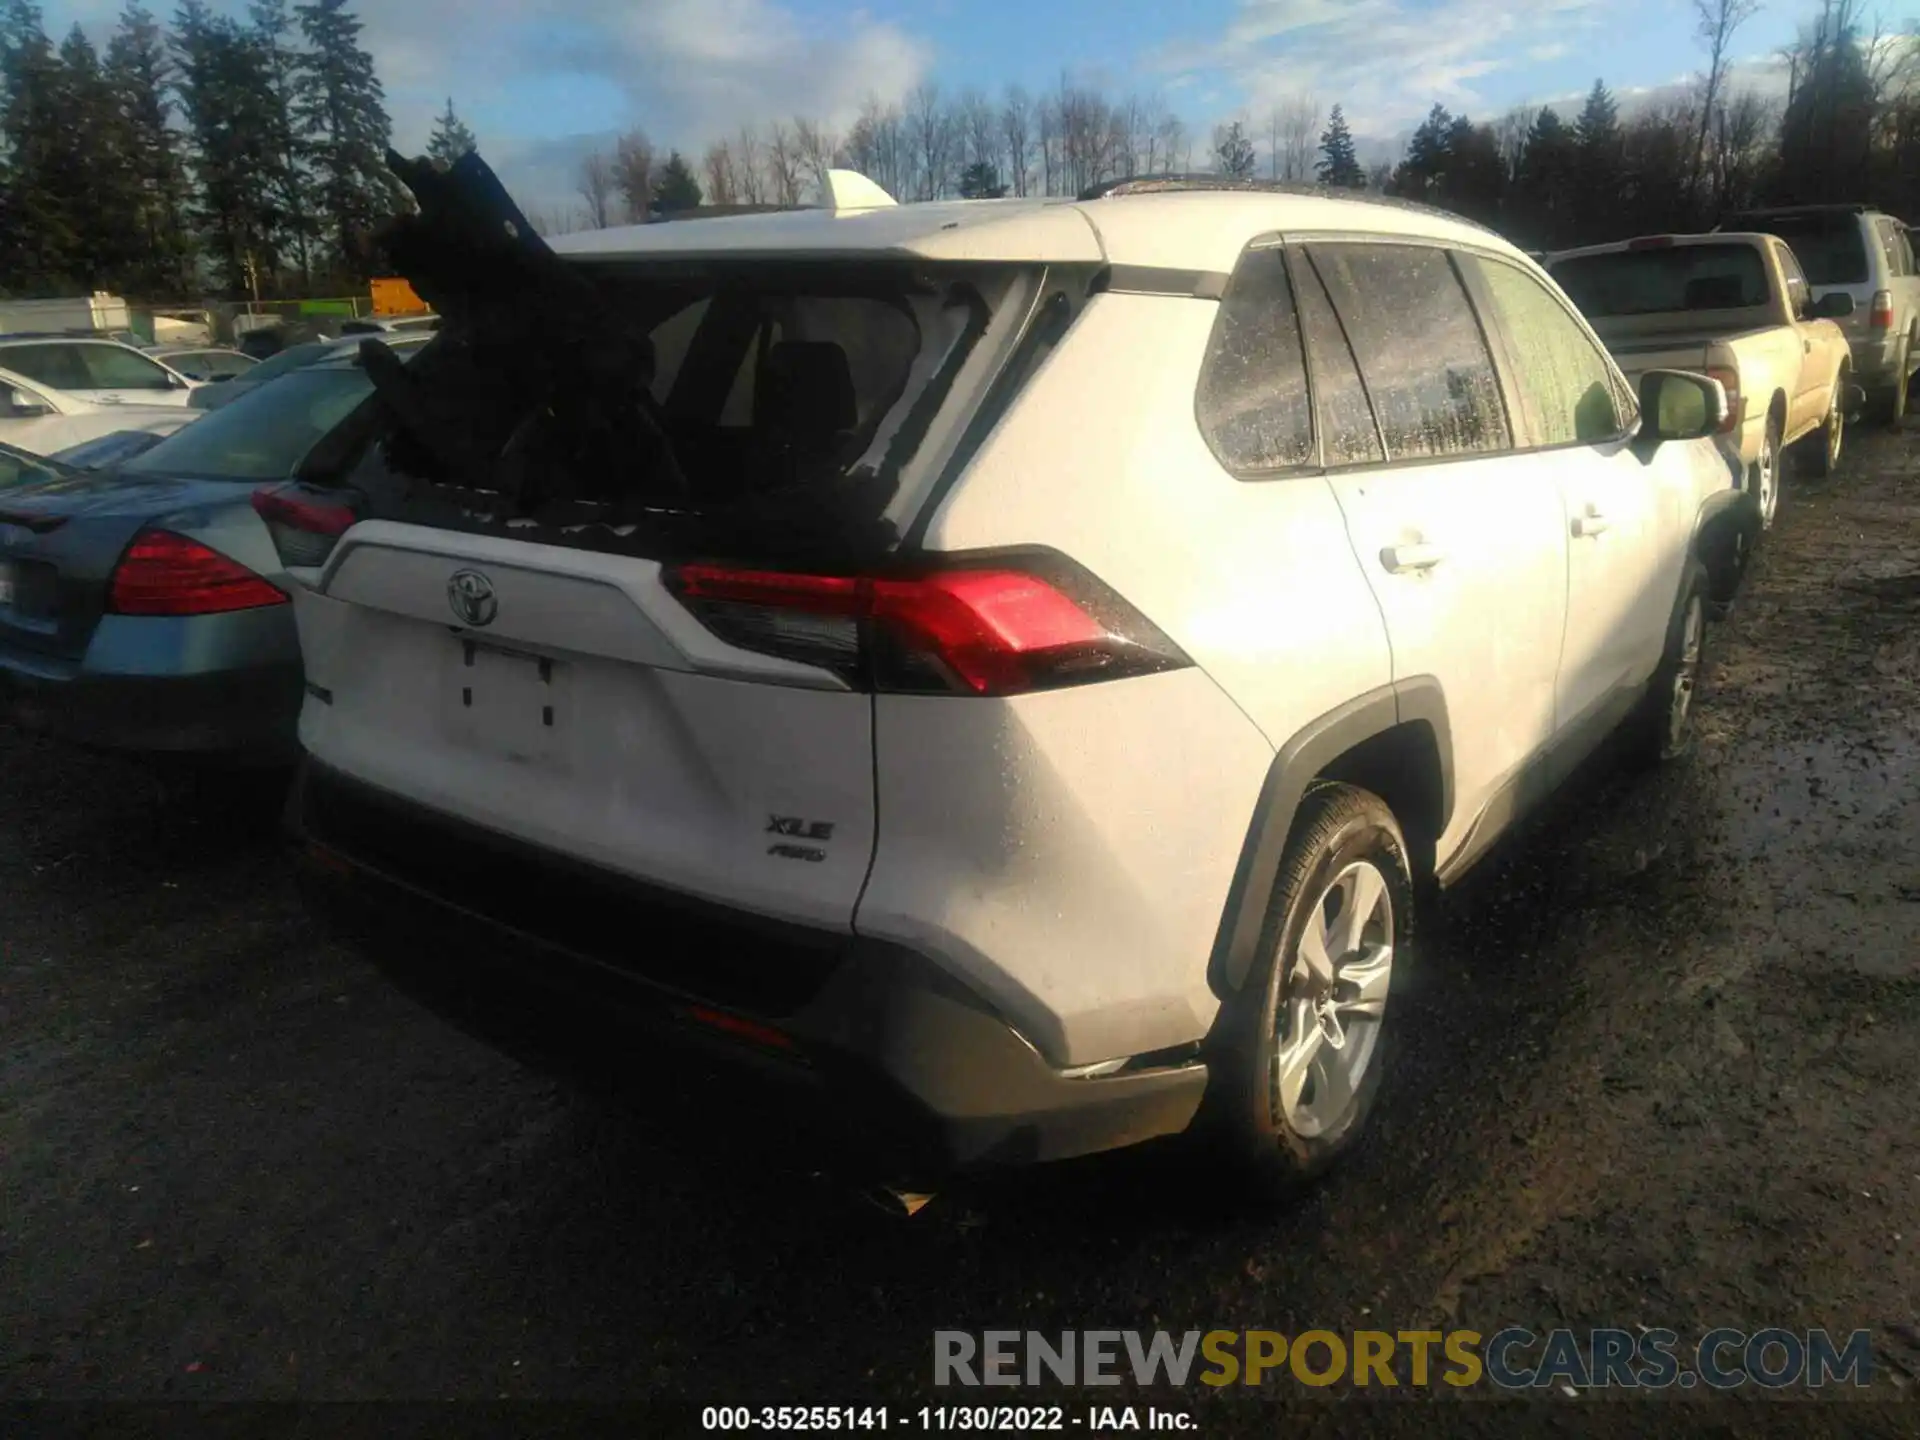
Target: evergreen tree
675,188
1428,154
226,95
1339,165
1233,152
341,110
90,166
140,72
1545,185
293,208
39,243
1597,141
981,181
451,138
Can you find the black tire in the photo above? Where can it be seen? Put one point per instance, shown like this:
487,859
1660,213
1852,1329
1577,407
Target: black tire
1765,477
1661,729
1819,454
1340,831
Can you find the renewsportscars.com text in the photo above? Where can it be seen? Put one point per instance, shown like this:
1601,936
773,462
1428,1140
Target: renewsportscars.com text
1510,1359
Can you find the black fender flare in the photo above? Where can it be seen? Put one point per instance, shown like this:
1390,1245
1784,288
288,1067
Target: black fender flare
1294,767
1725,530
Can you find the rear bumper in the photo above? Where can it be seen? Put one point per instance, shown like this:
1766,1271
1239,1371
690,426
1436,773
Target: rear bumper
883,1057
1876,362
227,685
250,713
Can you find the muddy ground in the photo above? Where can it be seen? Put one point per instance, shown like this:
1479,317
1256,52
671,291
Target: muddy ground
1661,1072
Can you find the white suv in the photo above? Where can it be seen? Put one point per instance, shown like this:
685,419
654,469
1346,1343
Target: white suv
1007,663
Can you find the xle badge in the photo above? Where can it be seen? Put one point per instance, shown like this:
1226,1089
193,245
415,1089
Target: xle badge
799,829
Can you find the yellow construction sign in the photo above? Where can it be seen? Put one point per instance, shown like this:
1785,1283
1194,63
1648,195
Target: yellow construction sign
394,296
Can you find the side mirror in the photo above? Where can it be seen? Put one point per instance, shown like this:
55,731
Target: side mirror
1677,405
21,406
1836,305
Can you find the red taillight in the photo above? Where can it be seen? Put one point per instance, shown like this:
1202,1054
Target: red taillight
162,573
740,1027
305,524
995,628
1730,382
1880,312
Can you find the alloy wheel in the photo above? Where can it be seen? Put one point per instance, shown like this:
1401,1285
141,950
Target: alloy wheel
1328,1016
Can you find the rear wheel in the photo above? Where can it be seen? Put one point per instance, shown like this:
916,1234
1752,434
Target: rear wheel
1766,475
1662,729
1303,1047
1820,451
1893,401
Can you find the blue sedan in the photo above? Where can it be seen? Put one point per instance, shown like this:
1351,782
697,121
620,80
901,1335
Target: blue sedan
143,607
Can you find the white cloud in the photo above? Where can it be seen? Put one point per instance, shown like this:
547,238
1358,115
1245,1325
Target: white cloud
1386,61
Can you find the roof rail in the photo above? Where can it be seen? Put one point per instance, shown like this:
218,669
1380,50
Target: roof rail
1175,184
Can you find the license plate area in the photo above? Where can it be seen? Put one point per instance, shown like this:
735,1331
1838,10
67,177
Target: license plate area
507,702
29,592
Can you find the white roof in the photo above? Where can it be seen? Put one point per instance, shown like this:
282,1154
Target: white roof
1184,230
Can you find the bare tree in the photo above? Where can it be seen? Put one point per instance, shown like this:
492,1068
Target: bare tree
1047,118
1741,125
723,186
1715,24
1299,138
1514,128
816,146
1176,145
748,173
932,140
556,220
633,173
596,187
785,168
1016,126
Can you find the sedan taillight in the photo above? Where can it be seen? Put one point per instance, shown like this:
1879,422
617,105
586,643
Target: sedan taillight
305,523
162,573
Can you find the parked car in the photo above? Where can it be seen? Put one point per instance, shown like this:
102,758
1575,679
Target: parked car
1008,670
1859,251
142,608
99,372
206,364
1736,307
42,419
22,467
215,397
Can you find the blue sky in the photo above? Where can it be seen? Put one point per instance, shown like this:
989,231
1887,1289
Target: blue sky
542,80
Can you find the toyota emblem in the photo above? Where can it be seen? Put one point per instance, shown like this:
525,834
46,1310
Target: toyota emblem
471,595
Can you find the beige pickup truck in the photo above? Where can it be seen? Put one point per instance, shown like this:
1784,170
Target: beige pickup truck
1736,307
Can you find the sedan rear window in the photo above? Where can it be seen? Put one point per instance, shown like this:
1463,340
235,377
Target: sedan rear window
1658,282
263,434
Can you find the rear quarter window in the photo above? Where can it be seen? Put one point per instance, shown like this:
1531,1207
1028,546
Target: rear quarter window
1252,403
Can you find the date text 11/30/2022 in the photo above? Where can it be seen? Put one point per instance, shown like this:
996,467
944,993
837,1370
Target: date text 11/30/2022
990,1419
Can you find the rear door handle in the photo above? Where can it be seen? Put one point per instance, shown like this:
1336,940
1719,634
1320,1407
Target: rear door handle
1590,524
1402,559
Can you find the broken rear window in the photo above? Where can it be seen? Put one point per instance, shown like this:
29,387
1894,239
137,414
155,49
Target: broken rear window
688,397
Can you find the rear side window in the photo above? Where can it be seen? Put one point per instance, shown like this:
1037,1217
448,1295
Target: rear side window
1831,248
1420,350
1564,381
57,365
1346,416
115,369
1253,406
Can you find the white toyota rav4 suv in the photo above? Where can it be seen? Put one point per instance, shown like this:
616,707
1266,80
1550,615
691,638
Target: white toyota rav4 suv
1005,665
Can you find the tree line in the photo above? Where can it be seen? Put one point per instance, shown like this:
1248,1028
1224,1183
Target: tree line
225,154
218,153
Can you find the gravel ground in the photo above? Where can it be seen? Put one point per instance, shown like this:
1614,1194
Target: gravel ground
1660,1072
